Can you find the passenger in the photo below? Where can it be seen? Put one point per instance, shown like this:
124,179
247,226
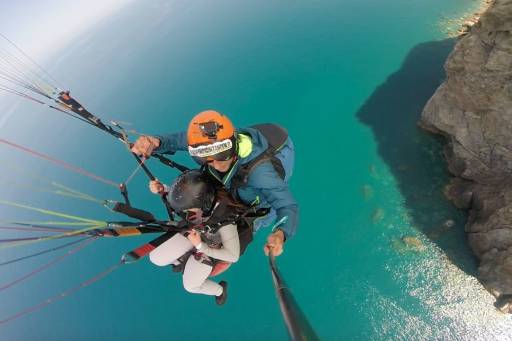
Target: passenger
254,164
212,240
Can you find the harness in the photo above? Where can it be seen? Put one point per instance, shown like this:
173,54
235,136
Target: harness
229,211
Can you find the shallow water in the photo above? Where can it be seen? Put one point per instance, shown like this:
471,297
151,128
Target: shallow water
374,257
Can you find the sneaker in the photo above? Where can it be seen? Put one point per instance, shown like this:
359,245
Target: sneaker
220,300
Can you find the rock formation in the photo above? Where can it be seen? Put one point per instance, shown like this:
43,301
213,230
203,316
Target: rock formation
472,109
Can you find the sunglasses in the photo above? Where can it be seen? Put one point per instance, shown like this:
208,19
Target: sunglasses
224,156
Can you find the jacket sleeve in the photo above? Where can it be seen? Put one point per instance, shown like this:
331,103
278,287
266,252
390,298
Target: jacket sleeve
230,250
170,143
276,193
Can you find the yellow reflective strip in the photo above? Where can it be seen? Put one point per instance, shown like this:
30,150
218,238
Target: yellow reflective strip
244,145
256,201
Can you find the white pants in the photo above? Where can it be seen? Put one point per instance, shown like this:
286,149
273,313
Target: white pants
195,276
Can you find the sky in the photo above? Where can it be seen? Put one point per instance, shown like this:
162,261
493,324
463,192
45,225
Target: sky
41,27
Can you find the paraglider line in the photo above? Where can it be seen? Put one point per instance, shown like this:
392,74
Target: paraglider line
63,294
61,163
43,252
30,59
82,245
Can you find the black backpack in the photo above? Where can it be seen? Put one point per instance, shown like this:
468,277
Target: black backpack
276,137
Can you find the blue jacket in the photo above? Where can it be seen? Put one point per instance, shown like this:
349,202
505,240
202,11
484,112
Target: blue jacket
264,183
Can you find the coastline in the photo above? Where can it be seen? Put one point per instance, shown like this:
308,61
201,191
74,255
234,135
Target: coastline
460,26
471,110
470,20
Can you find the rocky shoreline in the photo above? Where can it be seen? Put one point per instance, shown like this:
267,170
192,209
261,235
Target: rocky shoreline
472,109
455,27
470,20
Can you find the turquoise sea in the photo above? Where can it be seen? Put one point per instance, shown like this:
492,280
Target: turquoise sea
380,253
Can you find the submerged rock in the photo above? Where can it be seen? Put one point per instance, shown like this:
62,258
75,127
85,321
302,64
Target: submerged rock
377,215
449,223
408,244
472,109
414,243
367,192
403,167
438,231
504,304
373,171
399,246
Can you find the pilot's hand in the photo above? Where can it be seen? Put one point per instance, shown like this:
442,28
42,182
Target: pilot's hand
275,243
145,145
156,187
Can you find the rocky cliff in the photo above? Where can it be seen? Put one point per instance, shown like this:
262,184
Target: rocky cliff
472,109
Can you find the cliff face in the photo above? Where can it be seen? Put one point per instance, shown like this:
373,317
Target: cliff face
472,109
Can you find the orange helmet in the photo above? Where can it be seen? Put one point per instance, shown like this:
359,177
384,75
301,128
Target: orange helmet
209,126
211,135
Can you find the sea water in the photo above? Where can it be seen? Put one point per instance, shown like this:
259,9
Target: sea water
380,254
